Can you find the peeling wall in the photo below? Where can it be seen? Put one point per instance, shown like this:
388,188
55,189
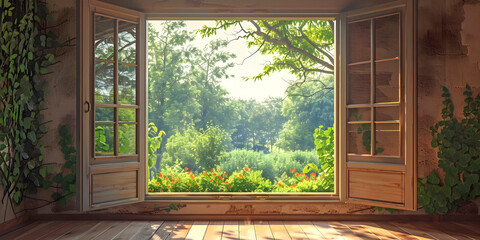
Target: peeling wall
448,55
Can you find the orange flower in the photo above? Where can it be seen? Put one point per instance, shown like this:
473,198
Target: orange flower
151,190
186,168
177,178
214,174
161,190
297,174
226,182
292,171
221,170
323,177
211,180
173,181
256,182
195,184
279,184
246,169
226,174
160,175
293,185
219,177
190,172
204,174
313,174
166,178
230,186
168,186
171,174
192,177
158,183
240,176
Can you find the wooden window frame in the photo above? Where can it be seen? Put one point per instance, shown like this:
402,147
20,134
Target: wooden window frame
340,191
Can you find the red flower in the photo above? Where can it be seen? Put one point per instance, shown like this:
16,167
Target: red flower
221,170
297,174
219,177
173,181
292,171
214,174
240,176
246,169
313,174
158,183
186,168
211,169
160,175
204,174
195,184
293,185
166,178
226,182
161,190
168,186
315,179
279,184
230,186
211,180
192,177
151,190
226,174
190,172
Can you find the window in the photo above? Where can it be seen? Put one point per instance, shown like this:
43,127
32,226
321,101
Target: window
375,141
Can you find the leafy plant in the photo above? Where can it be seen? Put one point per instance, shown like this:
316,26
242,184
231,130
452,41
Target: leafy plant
458,144
26,52
154,143
65,180
325,146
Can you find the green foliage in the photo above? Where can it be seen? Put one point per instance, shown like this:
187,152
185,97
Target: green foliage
458,144
154,143
196,149
176,179
25,54
65,181
325,146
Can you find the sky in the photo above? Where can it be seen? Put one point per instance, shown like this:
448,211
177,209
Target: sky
271,86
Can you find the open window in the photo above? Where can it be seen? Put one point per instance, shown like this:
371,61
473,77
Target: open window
375,106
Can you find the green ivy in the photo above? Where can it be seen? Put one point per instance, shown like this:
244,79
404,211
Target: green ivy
458,144
64,182
25,54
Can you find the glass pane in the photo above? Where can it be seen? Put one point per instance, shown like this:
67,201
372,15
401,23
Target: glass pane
359,138
387,81
359,84
127,84
104,31
103,140
359,41
387,113
127,115
359,114
127,36
387,139
104,114
387,37
103,82
127,139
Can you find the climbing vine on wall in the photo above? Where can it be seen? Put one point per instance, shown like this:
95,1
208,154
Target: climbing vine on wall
458,144
27,49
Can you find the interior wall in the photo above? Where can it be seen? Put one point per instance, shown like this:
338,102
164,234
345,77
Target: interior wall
448,55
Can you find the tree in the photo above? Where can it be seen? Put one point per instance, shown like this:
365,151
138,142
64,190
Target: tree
304,47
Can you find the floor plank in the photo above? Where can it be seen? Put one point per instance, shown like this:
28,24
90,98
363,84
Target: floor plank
147,231
396,231
66,228
458,231
328,231
470,226
246,230
295,231
278,230
412,230
197,231
113,230
131,230
164,230
78,230
95,231
344,231
42,231
360,230
230,230
181,230
376,230
310,230
214,231
262,230
435,232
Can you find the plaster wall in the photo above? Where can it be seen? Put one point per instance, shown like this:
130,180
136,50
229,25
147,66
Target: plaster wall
448,55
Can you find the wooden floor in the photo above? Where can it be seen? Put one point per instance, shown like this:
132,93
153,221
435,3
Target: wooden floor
244,230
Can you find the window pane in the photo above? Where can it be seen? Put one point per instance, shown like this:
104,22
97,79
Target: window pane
127,84
387,139
387,113
359,41
127,115
359,138
387,37
104,31
127,139
127,36
387,81
103,82
359,84
104,140
359,114
104,114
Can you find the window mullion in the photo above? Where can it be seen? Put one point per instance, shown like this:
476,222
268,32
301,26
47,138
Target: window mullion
115,87
372,86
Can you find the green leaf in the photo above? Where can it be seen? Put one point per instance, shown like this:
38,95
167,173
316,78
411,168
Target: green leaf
43,172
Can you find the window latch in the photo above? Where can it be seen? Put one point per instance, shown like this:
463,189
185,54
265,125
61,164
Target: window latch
87,106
